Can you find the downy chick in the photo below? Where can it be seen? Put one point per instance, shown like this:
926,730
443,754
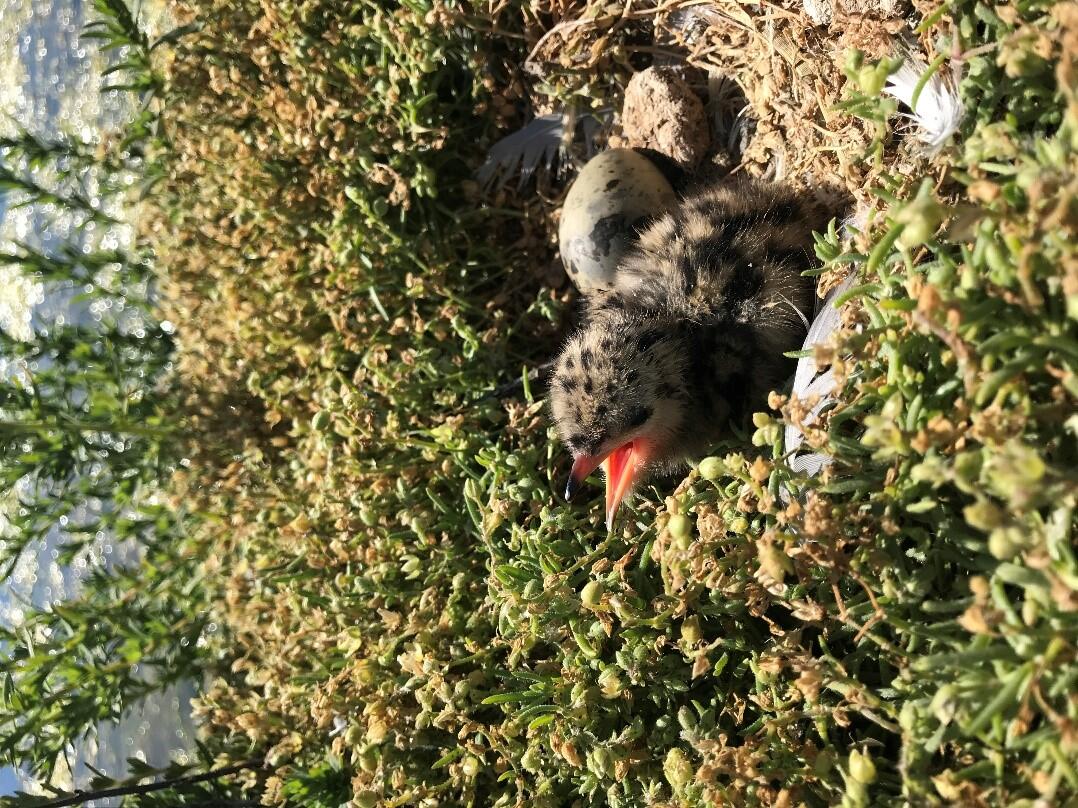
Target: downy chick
692,334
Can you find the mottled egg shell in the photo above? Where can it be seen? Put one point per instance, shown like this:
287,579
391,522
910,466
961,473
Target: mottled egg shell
611,200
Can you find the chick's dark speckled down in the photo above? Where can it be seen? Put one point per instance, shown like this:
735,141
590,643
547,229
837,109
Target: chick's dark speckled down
694,330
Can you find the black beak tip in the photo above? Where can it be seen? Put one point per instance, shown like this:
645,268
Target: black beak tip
571,486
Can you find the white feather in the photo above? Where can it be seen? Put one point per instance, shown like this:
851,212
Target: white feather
939,110
810,382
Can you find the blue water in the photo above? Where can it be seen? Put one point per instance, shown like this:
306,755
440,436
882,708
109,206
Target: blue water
49,82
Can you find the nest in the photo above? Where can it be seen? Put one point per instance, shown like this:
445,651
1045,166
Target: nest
785,69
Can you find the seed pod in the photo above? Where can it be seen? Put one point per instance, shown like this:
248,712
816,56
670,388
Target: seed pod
862,769
376,731
470,766
366,671
610,683
871,78
686,717
1005,543
679,526
711,468
592,594
367,515
1030,611
678,770
967,470
368,760
690,630
471,490
983,515
920,218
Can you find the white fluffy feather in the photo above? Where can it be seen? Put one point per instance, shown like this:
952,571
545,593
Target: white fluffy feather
939,109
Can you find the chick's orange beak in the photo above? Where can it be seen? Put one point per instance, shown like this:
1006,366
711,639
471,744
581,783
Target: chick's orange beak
621,467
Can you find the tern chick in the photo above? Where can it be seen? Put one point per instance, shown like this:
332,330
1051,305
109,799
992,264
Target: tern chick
692,334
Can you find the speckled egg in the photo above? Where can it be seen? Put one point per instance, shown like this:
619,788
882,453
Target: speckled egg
611,200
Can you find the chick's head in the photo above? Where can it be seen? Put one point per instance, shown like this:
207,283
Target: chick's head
619,400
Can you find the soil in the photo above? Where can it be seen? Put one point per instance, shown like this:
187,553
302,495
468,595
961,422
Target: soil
661,112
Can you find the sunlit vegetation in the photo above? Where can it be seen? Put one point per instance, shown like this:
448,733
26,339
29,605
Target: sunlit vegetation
367,500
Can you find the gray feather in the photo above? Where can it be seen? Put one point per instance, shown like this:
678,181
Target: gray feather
541,143
525,150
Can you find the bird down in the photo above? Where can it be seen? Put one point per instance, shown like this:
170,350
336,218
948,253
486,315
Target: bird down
691,336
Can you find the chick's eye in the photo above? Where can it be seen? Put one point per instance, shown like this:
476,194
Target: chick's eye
639,417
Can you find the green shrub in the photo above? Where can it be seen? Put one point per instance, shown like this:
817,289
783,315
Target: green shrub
88,438
407,605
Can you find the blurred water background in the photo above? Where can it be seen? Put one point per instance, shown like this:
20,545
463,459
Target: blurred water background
49,83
